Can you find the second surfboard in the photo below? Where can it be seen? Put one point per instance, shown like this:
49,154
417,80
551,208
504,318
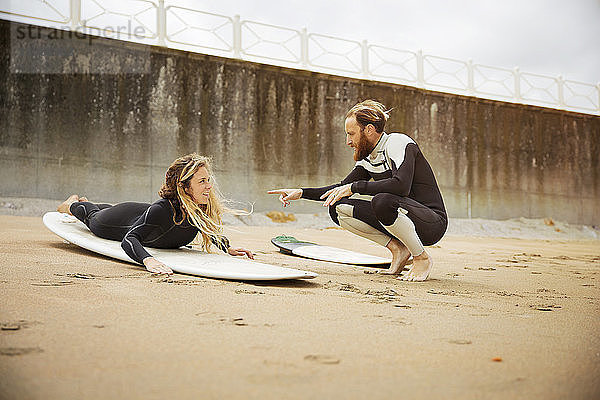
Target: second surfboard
291,245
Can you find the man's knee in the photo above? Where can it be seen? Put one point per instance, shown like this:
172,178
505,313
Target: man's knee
384,208
340,208
344,210
333,213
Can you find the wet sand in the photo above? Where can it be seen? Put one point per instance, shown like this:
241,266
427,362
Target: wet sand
499,319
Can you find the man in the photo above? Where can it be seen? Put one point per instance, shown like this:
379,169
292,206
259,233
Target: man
401,206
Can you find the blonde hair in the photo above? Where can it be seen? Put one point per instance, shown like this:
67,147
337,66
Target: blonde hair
370,112
206,217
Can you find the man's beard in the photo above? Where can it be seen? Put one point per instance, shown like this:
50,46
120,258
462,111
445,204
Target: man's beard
362,149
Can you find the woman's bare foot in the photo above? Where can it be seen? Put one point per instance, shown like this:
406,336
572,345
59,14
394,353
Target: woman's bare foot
65,207
400,257
422,265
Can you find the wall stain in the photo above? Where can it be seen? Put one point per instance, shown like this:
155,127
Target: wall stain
99,128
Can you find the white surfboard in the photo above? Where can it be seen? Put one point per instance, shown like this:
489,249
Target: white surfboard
183,260
291,245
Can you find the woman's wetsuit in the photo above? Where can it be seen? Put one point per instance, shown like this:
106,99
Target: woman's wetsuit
137,225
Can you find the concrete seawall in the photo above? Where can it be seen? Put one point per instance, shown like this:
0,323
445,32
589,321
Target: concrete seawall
105,119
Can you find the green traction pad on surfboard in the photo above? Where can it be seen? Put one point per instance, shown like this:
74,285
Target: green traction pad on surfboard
287,244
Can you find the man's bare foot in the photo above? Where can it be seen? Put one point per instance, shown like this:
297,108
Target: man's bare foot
422,265
83,198
400,257
65,207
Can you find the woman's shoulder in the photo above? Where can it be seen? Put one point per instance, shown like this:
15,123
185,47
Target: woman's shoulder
162,207
168,207
163,203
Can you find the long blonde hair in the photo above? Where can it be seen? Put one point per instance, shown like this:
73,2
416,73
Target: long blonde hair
206,217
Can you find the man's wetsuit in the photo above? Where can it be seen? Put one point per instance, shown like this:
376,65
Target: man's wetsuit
402,182
137,225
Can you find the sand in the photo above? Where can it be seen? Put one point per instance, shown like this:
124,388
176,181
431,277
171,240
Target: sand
500,318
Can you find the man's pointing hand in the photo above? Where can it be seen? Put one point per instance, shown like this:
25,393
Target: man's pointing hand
287,195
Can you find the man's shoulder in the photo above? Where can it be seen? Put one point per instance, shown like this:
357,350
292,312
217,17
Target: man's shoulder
361,163
398,145
399,139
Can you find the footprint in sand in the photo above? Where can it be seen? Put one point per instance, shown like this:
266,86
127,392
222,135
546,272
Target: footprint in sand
460,341
10,327
322,359
16,325
344,287
239,322
209,318
19,351
382,296
246,291
443,292
543,307
55,283
566,258
185,282
78,275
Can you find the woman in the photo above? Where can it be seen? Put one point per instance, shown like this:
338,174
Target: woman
190,207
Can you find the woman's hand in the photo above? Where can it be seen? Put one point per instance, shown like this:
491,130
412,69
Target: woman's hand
238,251
156,267
287,195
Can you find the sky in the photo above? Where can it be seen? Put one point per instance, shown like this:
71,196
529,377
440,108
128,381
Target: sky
549,37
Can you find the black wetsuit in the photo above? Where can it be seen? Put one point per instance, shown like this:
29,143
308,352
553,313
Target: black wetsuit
402,178
137,225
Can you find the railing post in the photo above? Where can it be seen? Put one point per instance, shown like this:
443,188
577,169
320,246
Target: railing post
598,88
75,8
470,78
469,205
304,48
237,37
561,92
161,23
420,70
517,75
364,51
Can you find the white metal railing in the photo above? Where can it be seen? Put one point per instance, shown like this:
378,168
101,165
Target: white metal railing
387,63
335,54
494,81
285,49
169,25
446,73
96,15
56,12
199,29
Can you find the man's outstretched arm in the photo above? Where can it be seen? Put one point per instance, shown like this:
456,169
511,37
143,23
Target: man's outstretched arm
358,173
287,195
